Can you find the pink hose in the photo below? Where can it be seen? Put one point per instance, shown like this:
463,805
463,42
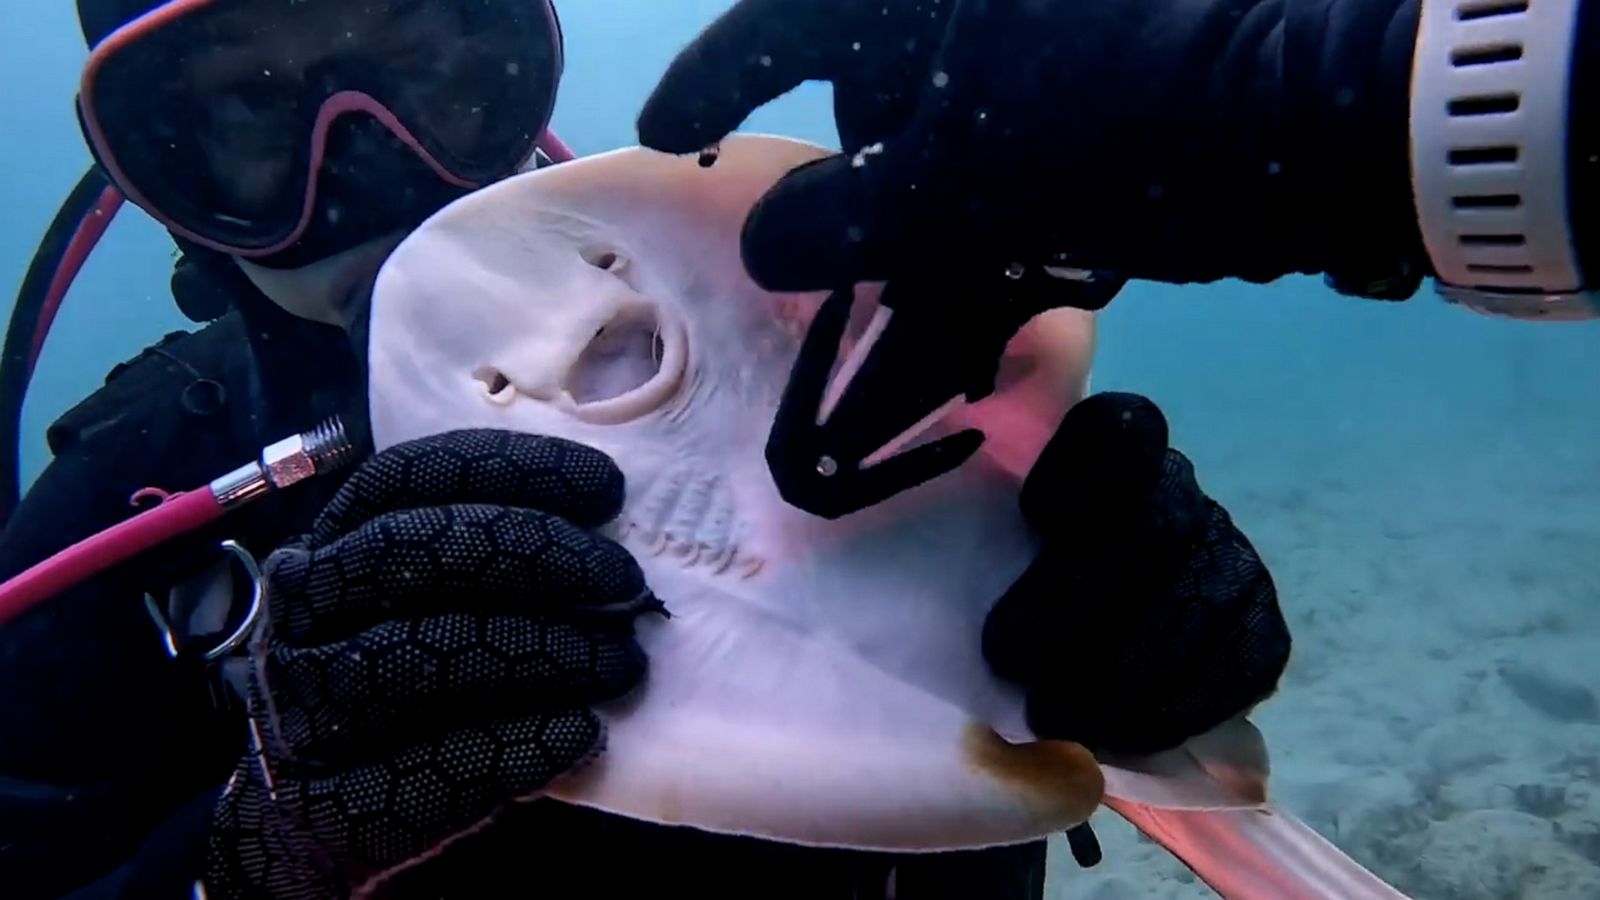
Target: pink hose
181,513
89,231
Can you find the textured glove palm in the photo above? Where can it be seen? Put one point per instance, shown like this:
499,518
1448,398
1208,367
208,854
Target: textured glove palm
430,652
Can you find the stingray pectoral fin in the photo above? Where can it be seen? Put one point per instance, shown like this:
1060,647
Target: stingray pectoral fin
1256,854
864,793
755,727
763,716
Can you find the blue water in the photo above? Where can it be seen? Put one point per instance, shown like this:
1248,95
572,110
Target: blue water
1424,483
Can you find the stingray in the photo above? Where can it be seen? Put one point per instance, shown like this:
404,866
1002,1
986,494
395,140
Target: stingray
819,682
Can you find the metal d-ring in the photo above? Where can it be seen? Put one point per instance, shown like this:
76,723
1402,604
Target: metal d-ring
241,633
252,615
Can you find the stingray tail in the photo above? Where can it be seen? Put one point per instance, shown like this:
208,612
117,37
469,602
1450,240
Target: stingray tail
1256,854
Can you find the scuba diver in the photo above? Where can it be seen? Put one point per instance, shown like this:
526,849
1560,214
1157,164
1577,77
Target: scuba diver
287,148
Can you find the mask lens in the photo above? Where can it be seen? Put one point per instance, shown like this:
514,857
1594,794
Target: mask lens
215,116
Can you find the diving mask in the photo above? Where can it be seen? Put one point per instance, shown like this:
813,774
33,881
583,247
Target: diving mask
227,120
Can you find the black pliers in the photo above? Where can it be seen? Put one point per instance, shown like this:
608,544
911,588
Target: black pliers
937,340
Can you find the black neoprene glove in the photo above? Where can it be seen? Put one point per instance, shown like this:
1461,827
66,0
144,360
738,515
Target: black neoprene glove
1171,140
1148,618
430,652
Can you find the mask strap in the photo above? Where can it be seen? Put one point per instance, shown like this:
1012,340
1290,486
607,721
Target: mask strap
554,147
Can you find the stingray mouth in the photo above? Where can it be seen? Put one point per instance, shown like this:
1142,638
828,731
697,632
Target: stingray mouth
630,366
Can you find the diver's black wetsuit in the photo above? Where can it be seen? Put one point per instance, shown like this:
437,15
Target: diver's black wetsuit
101,736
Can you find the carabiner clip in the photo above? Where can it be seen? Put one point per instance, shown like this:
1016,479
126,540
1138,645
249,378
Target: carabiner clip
240,634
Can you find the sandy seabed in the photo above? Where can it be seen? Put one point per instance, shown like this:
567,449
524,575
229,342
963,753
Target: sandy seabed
1430,512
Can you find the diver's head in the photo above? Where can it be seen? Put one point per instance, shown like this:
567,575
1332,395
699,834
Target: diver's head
293,135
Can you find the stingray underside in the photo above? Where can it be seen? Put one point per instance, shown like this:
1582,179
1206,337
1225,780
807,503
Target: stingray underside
817,683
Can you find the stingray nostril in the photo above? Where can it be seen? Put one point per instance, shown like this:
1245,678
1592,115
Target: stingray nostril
496,386
600,258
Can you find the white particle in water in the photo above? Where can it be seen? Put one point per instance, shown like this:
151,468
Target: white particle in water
856,46
513,68
766,60
940,79
860,159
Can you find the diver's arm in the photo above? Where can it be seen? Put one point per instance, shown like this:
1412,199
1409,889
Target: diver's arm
1174,140
1383,141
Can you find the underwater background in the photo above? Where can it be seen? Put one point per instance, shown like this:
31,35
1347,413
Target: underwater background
1423,482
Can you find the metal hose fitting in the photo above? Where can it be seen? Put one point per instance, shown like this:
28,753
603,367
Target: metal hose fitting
324,448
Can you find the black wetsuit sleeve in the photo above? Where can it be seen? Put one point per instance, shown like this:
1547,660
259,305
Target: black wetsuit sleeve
1280,131
1336,76
1339,75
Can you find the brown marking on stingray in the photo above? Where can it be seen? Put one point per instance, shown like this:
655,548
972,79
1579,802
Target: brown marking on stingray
1054,777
